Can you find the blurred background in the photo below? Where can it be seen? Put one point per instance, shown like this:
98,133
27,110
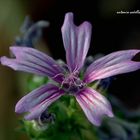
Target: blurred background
111,32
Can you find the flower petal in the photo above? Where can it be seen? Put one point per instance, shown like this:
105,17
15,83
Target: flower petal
76,42
38,100
112,64
94,105
33,61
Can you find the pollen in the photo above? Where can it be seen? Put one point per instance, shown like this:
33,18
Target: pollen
72,83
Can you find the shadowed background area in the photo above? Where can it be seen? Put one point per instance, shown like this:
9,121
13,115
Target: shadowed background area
111,32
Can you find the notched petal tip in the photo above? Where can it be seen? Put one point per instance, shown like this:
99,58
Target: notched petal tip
69,16
3,60
14,49
87,25
67,20
76,41
18,51
136,57
8,62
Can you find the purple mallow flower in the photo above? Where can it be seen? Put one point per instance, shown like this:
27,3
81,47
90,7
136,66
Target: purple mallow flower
76,43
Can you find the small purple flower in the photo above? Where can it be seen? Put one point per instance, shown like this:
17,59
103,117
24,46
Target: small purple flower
76,43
